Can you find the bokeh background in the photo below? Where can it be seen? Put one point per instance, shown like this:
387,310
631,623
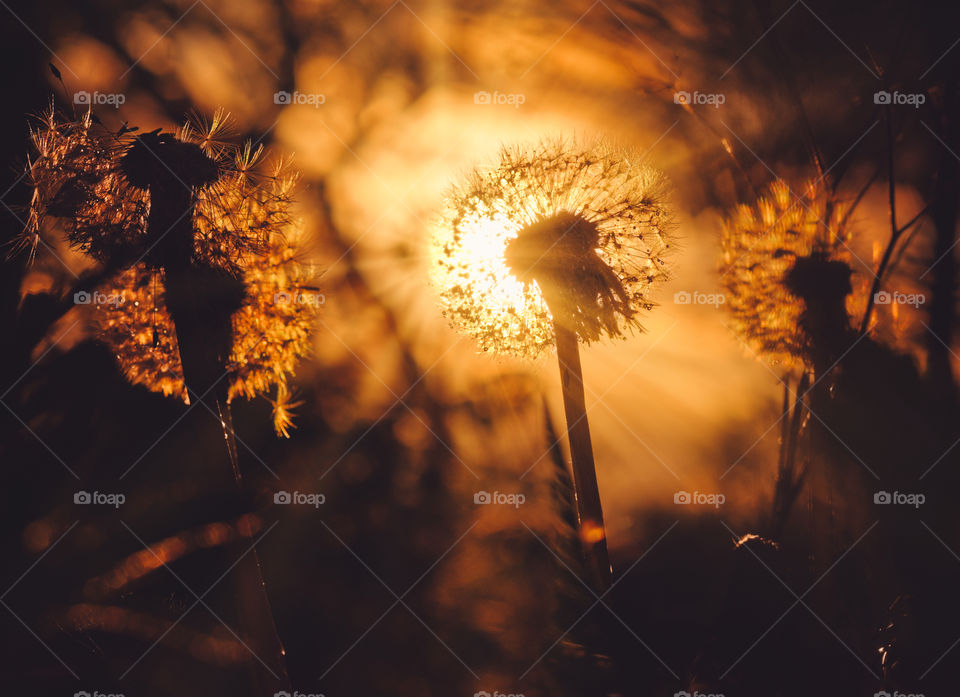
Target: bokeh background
402,420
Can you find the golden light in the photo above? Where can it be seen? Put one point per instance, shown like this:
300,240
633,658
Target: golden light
479,278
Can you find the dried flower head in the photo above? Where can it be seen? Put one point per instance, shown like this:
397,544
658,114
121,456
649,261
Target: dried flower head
77,178
242,225
776,252
558,231
271,330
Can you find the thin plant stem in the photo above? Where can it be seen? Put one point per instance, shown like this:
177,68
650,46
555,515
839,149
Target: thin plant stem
895,232
593,534
266,662
792,427
252,590
203,337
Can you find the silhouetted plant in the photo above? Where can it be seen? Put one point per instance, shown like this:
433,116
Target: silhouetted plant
785,267
205,295
772,253
559,242
205,247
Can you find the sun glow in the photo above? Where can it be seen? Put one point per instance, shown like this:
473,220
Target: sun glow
516,307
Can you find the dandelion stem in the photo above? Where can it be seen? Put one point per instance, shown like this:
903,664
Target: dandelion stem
202,300
895,232
589,511
267,665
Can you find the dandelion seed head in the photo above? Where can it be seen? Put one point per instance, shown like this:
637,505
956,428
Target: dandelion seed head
97,186
271,329
213,136
559,230
766,249
78,181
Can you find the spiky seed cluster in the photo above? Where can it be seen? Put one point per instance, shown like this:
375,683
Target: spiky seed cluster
576,232
271,329
760,246
243,222
236,215
77,178
140,333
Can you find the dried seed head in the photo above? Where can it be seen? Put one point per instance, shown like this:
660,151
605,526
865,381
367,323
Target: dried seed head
271,330
100,187
96,184
778,255
162,160
78,180
558,230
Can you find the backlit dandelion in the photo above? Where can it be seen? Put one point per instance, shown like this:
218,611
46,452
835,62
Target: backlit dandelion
272,329
193,228
766,249
556,231
206,298
77,180
557,243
